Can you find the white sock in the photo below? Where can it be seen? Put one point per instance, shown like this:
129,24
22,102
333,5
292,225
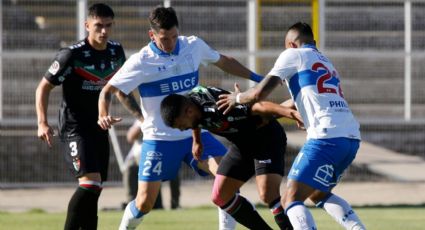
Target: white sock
300,216
342,212
129,219
225,221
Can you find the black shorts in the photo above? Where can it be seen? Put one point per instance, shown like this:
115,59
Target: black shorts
255,153
87,154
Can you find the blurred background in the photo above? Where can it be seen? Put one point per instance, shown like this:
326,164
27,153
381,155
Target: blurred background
378,47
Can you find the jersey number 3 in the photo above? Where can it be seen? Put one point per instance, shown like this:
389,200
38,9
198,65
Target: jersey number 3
323,78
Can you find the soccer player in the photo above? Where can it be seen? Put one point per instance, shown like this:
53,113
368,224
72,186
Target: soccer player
130,178
333,135
82,69
168,64
258,148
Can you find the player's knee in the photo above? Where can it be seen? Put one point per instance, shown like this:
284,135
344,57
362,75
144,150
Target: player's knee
219,198
267,197
285,201
143,205
216,199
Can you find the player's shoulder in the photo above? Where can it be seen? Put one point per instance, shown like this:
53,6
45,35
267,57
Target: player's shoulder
114,43
193,39
144,54
77,46
290,53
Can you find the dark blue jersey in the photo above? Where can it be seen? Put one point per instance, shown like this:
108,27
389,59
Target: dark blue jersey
83,71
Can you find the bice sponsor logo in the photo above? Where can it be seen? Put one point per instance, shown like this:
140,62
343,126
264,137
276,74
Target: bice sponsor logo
179,85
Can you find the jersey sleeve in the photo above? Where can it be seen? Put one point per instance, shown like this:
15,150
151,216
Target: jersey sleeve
286,64
129,76
207,54
61,67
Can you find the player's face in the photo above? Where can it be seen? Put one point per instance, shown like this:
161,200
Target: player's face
99,29
165,40
186,120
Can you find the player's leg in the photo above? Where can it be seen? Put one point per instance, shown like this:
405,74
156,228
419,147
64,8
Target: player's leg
88,159
301,179
234,170
293,202
213,152
142,205
130,180
268,186
334,205
160,160
175,192
269,163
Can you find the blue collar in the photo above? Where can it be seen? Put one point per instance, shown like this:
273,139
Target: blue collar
158,51
309,46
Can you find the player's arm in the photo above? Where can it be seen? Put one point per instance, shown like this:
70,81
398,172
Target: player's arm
197,147
259,92
105,121
289,103
130,104
44,132
270,109
232,66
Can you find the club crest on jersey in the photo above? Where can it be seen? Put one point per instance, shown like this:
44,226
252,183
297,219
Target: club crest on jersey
86,53
102,66
76,163
112,51
54,68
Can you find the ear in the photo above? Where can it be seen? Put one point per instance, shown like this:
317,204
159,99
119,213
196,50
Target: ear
86,25
150,33
188,111
293,45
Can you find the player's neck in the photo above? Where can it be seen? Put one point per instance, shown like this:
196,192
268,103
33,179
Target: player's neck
96,45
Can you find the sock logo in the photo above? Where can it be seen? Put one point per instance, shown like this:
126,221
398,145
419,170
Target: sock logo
346,215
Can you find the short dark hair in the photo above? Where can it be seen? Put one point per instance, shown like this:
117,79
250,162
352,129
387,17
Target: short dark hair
163,18
101,10
171,107
305,34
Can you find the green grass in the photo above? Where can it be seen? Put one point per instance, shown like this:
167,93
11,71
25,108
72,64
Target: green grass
205,218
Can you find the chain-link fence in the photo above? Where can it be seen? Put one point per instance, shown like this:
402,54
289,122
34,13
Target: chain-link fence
364,39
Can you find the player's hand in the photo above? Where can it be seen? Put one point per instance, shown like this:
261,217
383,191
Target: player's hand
297,117
197,150
227,102
45,133
106,122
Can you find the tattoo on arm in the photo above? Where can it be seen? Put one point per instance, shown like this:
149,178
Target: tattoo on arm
106,97
130,103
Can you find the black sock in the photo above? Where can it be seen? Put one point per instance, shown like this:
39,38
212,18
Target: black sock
282,220
82,209
244,213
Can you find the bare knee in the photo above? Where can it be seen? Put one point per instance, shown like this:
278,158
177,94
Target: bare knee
143,204
268,197
318,196
220,199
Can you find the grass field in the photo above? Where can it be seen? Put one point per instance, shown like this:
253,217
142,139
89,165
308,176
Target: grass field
205,218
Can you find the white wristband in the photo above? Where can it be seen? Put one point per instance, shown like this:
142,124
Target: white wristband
238,98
